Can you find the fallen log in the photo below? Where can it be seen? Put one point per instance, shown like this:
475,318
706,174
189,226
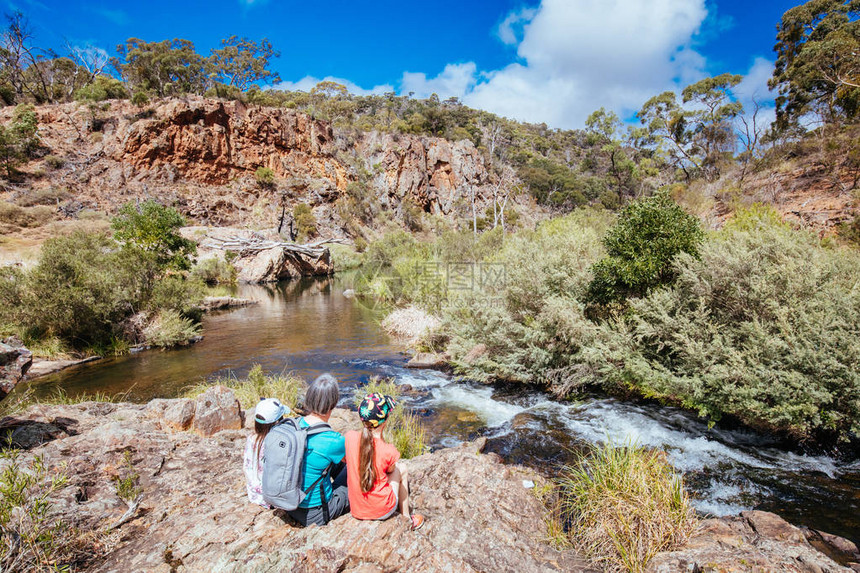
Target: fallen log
256,244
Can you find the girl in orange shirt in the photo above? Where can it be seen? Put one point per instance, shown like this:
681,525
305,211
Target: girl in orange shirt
377,481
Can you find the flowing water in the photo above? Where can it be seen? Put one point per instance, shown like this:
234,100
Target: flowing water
309,327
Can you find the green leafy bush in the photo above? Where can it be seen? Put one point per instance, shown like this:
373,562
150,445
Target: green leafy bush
18,139
84,286
154,229
306,223
641,246
265,177
101,89
139,98
763,327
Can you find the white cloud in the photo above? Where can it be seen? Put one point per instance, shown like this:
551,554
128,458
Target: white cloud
308,82
510,29
580,55
455,80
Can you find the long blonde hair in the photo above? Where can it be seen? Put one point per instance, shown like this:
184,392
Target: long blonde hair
366,457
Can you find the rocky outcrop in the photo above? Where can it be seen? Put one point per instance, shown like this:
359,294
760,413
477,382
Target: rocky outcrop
200,155
195,515
752,541
15,360
215,410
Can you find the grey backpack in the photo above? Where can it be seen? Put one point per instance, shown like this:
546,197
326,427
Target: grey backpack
284,449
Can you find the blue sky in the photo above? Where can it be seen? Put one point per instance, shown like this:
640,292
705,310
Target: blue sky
547,60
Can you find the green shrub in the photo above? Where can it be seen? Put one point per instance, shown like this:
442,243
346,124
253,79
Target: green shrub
641,246
306,223
265,177
139,99
383,252
154,229
127,482
849,231
174,292
214,270
101,89
623,506
170,329
54,162
762,327
532,321
81,286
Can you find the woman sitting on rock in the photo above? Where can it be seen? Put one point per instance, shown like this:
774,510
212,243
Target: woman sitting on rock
377,481
323,455
267,413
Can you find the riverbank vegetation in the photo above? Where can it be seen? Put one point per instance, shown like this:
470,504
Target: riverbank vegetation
623,505
95,292
756,321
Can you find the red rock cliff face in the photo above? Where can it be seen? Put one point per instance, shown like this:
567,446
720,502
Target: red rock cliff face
211,141
201,154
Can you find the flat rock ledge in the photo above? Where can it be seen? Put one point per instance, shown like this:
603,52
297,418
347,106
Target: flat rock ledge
195,515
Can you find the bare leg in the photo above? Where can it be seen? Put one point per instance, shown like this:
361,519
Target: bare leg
398,479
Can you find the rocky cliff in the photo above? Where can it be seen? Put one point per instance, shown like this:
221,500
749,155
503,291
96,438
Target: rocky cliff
201,155
194,514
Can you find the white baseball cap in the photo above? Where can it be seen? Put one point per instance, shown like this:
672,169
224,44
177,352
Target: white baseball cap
269,410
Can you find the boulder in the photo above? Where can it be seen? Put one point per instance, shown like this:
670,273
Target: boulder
15,360
272,265
431,360
215,410
752,541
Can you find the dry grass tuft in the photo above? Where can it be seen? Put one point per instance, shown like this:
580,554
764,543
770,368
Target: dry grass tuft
285,387
410,324
624,505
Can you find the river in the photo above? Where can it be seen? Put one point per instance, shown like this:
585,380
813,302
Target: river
308,327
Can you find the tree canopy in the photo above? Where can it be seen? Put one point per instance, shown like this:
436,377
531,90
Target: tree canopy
818,61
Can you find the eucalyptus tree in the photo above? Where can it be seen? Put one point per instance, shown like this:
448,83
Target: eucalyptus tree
818,61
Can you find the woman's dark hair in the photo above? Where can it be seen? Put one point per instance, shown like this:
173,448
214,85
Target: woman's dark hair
322,395
366,455
261,430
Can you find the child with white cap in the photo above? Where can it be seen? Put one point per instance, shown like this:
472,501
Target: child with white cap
268,412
